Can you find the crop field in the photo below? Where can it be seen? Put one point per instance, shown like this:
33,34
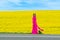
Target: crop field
21,21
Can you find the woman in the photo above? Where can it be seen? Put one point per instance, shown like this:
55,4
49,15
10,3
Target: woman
35,28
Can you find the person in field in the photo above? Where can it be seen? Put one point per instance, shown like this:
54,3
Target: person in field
35,29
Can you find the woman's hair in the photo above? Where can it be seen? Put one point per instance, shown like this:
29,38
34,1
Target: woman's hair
34,14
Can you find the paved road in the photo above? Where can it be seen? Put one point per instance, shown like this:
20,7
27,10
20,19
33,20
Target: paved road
28,37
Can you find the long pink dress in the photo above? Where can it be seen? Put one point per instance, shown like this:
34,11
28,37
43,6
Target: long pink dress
35,26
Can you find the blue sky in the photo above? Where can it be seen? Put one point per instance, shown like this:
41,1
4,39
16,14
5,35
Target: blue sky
29,4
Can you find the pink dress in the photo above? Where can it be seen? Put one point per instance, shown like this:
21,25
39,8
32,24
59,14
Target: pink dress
35,26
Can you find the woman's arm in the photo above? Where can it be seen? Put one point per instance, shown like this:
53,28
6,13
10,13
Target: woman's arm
40,29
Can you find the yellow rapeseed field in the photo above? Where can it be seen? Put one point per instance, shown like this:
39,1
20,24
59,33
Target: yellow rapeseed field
20,21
